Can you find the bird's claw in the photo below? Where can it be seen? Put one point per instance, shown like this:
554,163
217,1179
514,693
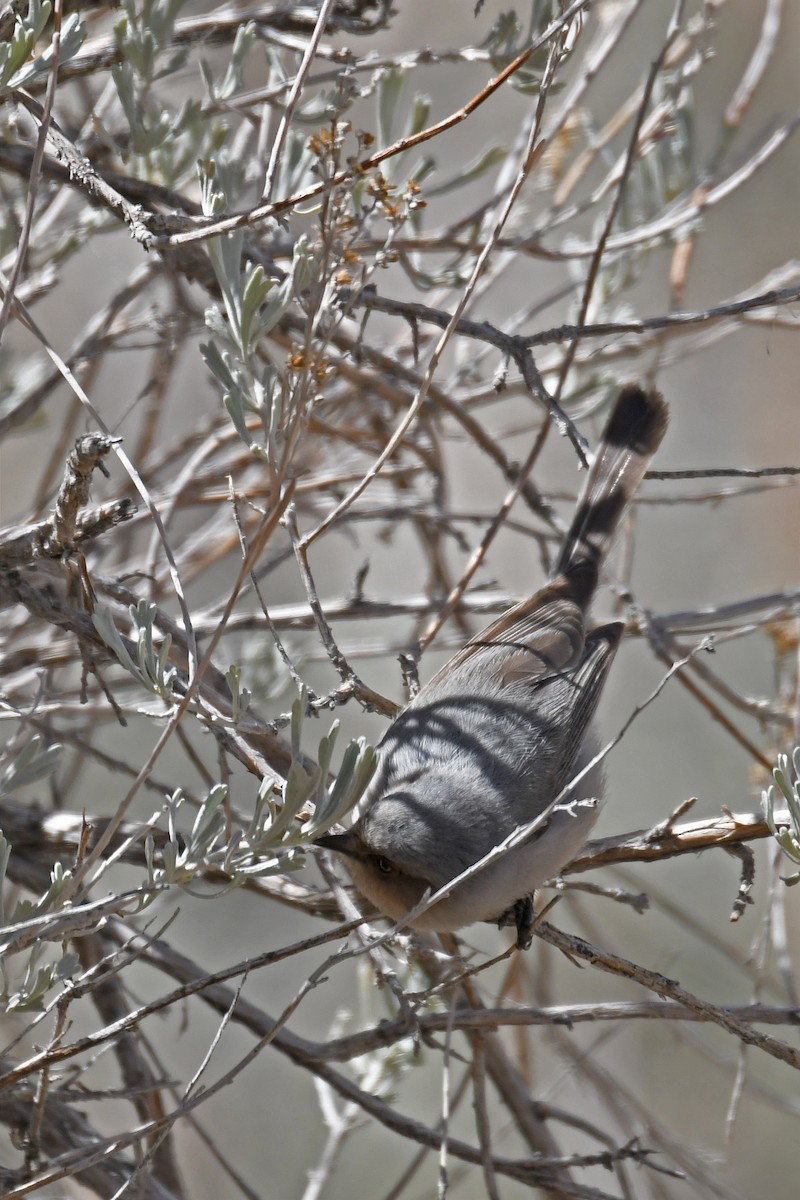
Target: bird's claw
520,913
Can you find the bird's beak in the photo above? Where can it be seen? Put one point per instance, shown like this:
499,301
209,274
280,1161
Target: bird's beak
347,843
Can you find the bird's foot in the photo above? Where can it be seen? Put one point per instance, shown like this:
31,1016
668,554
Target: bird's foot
520,913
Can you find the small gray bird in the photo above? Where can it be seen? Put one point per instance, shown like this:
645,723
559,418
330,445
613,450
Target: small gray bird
497,734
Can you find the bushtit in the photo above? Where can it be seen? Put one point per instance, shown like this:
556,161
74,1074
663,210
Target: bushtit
498,733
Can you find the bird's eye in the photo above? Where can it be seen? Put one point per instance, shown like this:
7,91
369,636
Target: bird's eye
385,866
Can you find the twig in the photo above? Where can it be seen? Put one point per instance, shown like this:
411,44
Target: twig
370,699
279,141
27,320
26,544
144,226
46,116
689,838
665,649
485,331
95,858
262,212
758,64
748,878
603,960
482,1115
605,233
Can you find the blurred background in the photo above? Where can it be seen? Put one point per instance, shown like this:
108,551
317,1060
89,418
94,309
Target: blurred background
701,217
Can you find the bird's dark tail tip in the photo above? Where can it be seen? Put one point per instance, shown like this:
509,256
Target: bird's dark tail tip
631,437
638,420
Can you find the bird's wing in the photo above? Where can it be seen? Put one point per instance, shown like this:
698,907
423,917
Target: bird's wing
541,636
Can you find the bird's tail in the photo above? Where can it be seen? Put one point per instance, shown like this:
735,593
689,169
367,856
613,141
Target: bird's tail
634,432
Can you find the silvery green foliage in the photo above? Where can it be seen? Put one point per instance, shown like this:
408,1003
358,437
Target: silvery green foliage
32,763
231,81
242,394
258,849
142,32
253,303
330,804
275,837
392,109
398,117
169,140
49,901
508,37
391,85
150,666
785,832
184,855
283,822
240,696
17,68
28,993
35,761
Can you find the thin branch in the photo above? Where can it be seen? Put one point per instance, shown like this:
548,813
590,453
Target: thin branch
325,10
262,212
